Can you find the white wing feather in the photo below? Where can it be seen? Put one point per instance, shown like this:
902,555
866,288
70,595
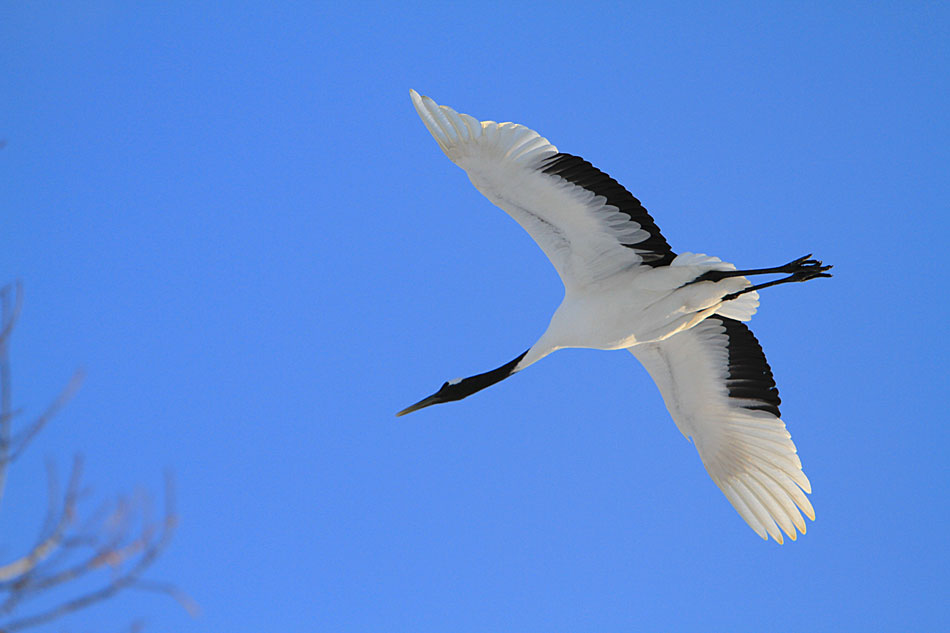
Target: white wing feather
747,452
585,239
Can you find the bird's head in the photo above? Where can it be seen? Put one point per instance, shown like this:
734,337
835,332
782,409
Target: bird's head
463,387
449,392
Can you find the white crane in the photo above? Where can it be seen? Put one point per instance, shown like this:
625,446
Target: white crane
680,315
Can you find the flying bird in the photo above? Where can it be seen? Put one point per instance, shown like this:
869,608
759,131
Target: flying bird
681,315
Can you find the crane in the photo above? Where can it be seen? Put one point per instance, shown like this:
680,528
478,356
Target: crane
681,315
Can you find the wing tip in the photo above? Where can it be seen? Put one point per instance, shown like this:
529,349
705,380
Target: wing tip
763,517
460,135
427,110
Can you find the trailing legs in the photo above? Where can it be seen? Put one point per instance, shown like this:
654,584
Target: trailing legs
802,269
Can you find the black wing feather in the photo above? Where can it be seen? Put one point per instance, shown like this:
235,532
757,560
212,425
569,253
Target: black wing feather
750,376
578,171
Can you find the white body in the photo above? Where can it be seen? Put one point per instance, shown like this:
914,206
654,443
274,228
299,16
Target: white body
637,306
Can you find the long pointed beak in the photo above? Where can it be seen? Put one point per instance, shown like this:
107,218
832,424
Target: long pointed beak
422,404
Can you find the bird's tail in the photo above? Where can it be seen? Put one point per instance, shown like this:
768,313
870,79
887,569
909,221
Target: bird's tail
742,307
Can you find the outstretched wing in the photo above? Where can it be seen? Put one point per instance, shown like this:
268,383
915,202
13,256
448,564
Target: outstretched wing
588,225
719,389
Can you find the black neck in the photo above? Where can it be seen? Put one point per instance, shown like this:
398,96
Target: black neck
472,384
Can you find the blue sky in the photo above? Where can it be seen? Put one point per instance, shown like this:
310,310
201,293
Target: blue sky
235,222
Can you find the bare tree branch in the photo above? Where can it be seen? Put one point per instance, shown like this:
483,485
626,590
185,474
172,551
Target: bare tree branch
149,545
126,580
44,548
120,539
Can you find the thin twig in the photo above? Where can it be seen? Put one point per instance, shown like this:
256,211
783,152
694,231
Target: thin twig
8,317
52,496
23,439
187,602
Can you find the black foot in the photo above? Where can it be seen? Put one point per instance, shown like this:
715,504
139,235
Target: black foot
802,269
805,268
801,265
